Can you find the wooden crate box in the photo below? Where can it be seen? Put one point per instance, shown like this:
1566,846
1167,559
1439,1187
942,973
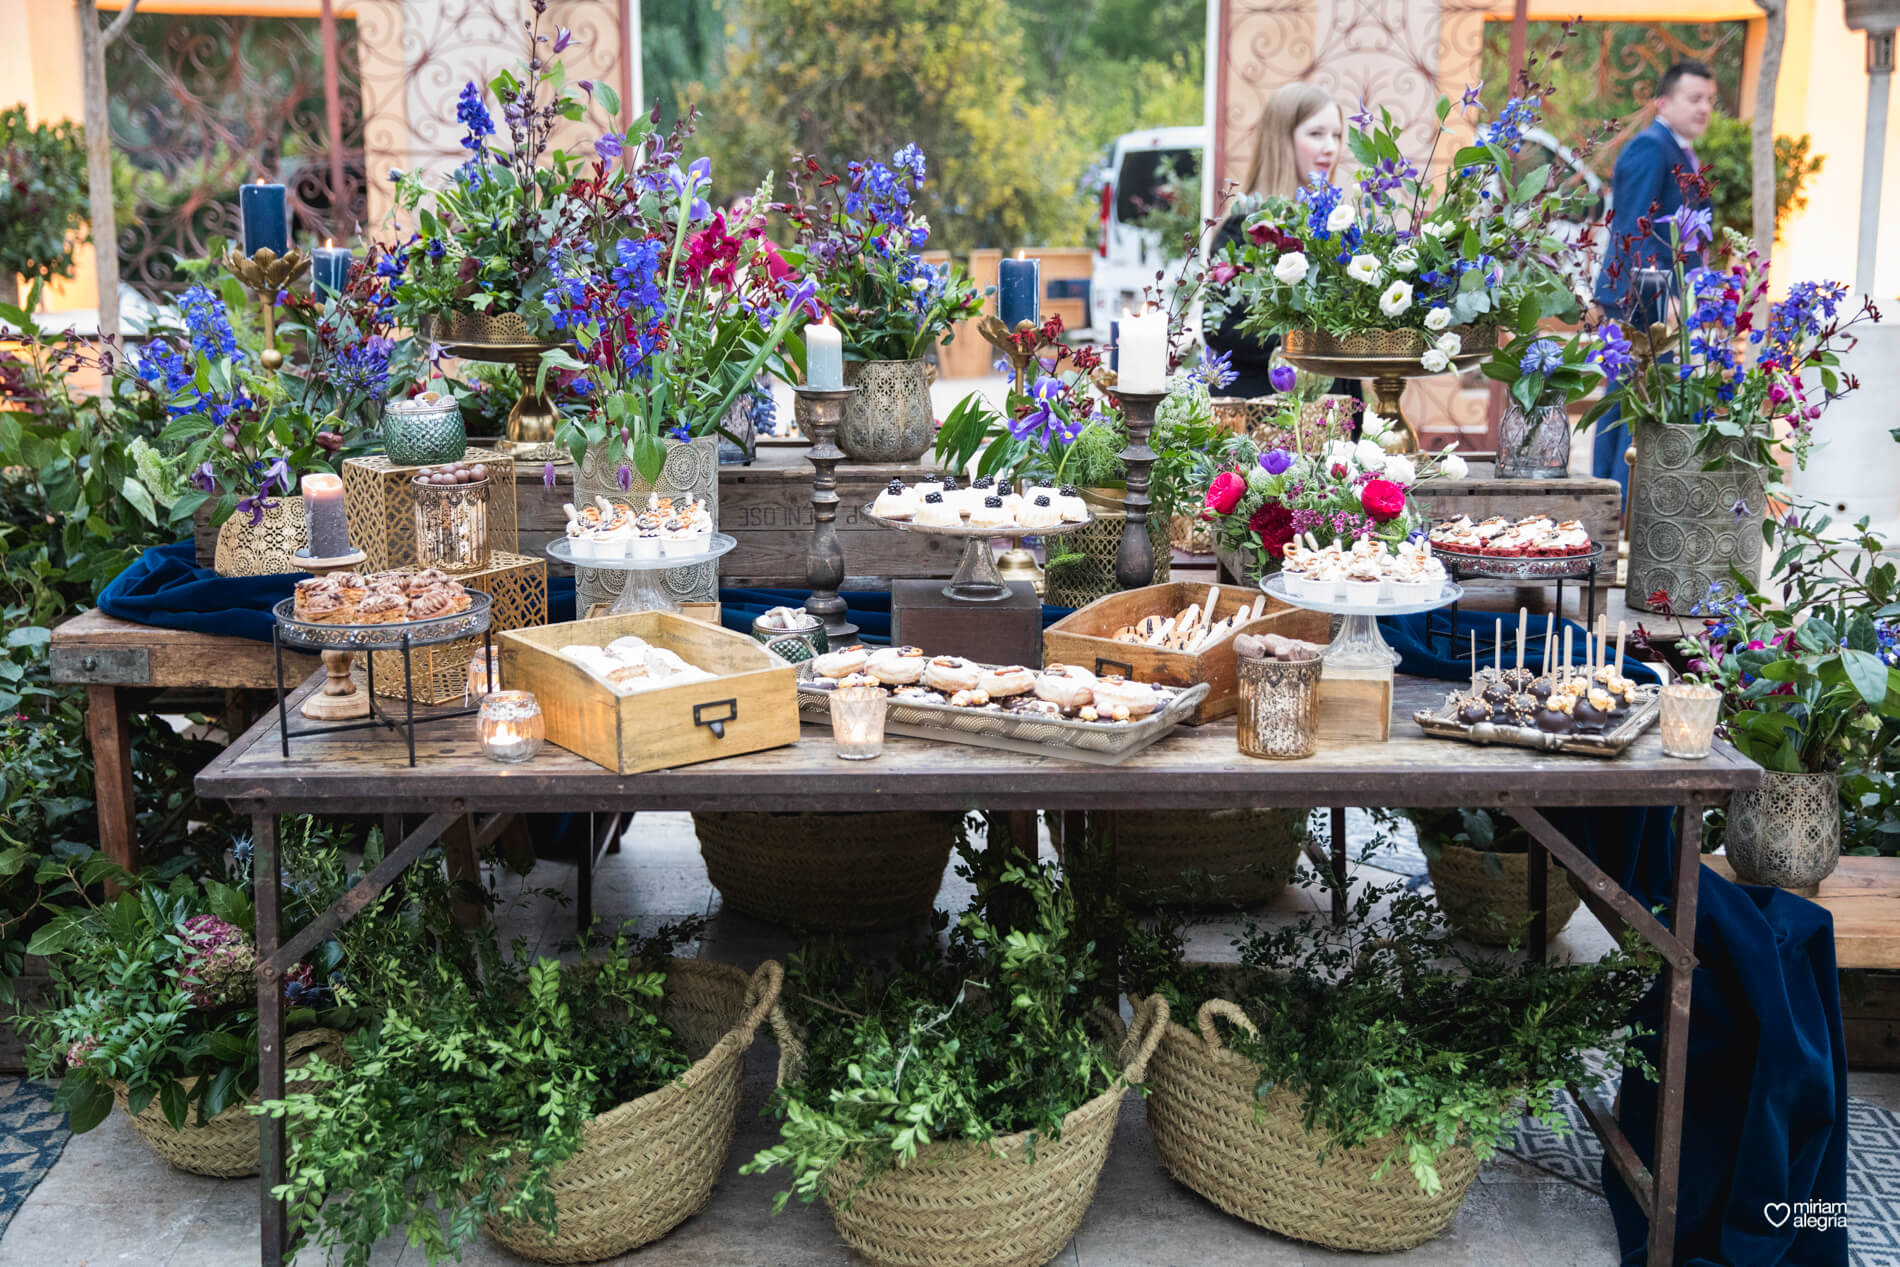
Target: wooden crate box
519,587
379,501
751,705
1086,638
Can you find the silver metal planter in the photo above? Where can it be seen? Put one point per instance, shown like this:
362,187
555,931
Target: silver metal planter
1786,832
1685,534
888,419
692,469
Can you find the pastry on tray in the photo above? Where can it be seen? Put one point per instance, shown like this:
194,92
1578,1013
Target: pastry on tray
1064,692
1532,537
385,598
986,502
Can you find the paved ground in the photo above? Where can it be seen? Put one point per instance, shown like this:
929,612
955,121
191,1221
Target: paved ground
109,1201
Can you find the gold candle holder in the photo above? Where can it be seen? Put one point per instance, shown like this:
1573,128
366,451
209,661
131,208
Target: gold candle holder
264,273
452,526
1688,718
857,721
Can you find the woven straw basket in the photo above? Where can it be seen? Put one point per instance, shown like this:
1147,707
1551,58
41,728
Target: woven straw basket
1225,857
850,872
647,1165
990,1205
1495,909
1256,1160
227,1146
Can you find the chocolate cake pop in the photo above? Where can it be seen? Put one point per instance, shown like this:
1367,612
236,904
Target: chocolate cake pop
1472,711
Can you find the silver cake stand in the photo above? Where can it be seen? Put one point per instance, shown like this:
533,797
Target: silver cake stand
644,590
976,579
1359,645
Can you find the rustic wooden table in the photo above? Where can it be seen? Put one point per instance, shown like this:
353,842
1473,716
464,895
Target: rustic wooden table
1192,769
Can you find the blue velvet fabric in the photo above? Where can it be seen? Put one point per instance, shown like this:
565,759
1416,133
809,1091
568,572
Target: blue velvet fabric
1765,1119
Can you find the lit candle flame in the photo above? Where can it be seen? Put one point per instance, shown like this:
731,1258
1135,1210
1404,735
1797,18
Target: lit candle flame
328,243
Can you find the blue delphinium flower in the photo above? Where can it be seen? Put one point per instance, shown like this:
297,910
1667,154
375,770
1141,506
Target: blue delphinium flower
1541,357
208,324
910,160
1319,199
473,115
160,365
1507,130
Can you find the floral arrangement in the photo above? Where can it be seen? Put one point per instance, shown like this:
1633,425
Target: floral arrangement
484,240
1754,385
1542,369
1400,250
858,237
1260,500
672,307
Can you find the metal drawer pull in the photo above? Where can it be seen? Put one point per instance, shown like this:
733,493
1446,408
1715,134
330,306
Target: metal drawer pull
1114,666
716,724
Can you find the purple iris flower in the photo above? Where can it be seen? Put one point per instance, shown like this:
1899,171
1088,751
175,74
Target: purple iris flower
204,480
608,145
1042,422
1695,226
1276,461
1282,377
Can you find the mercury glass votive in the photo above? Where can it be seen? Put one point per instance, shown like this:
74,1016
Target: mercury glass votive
1688,719
481,675
510,726
857,721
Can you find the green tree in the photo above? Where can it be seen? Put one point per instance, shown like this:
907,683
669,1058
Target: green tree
42,198
847,79
681,43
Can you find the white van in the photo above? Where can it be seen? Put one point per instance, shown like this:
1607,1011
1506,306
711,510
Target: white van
1126,256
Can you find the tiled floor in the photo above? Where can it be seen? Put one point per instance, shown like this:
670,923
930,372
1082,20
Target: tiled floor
109,1201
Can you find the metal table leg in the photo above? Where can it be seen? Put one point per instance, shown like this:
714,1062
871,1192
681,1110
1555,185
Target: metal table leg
1678,979
266,875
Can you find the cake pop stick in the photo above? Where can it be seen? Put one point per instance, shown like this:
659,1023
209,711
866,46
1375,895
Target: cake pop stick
1497,646
1621,633
1547,628
1474,659
1566,666
1521,614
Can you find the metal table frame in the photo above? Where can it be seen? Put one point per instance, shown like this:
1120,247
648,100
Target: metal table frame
915,774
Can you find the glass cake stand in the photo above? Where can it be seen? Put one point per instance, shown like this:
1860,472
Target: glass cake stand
644,591
1359,646
976,579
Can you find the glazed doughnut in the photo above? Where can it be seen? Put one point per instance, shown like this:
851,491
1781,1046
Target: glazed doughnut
1113,694
1066,686
897,666
839,663
951,674
1012,679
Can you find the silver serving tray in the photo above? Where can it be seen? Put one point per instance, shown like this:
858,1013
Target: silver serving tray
319,636
1443,723
1520,568
1099,743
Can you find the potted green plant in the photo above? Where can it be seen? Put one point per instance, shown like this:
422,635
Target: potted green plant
1810,685
1343,1084
1545,373
155,1009
859,236
956,1106
1480,868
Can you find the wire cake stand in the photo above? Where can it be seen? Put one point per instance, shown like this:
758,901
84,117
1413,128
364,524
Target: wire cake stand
1529,569
1359,646
644,590
976,579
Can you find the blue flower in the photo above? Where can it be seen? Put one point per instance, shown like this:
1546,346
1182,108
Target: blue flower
1612,353
208,324
607,145
910,160
1471,99
159,365
1282,378
204,479
1043,423
1507,130
1216,369
680,433
363,369
473,115
1541,357
1694,225
1362,118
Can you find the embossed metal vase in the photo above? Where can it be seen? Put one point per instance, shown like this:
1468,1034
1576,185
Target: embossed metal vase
1787,832
264,548
1533,444
424,431
1685,532
692,469
888,419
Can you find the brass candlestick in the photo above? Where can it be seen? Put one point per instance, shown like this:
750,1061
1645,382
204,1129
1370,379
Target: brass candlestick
1135,560
819,412
340,699
264,273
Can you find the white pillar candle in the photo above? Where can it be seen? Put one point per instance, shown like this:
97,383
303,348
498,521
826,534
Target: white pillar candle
1144,353
824,357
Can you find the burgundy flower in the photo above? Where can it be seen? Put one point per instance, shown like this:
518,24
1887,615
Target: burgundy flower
1273,523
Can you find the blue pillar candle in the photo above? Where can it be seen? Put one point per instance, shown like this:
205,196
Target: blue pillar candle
1019,292
265,221
1114,345
330,268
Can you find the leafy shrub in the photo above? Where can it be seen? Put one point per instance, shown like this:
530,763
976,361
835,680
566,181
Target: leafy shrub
42,195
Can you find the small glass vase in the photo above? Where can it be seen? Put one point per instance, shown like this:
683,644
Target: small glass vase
857,721
1688,717
1534,444
452,526
510,726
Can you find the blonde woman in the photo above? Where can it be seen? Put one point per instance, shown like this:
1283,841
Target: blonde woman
1300,137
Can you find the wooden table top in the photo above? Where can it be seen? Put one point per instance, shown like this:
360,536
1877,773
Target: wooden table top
100,650
1863,895
367,771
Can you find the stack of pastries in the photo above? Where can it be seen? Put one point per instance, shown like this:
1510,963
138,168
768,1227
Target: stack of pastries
1055,691
385,598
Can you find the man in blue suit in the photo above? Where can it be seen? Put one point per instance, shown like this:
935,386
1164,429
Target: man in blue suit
1637,280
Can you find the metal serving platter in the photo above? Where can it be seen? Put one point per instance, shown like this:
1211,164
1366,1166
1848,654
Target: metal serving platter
318,636
1521,567
1443,723
1100,743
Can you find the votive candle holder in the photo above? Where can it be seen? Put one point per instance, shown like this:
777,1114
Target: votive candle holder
857,721
510,726
1688,717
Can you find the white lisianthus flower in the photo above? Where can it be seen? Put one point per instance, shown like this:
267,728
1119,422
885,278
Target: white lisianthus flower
1450,344
1438,318
1396,299
1340,453
1405,260
1364,268
1439,229
1453,467
1291,268
1373,426
1400,470
1370,455
1434,361
1341,217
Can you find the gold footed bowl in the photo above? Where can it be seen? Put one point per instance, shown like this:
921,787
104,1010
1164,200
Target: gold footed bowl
502,338
1388,358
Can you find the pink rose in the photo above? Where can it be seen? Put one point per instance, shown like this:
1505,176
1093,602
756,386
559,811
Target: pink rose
1225,493
1382,499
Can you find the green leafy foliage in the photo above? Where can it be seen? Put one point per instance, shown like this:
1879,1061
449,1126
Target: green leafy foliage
42,195
986,1036
1480,829
470,1082
1394,1034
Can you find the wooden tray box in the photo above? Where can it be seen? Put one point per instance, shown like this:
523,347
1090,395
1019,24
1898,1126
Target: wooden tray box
751,707
1086,637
